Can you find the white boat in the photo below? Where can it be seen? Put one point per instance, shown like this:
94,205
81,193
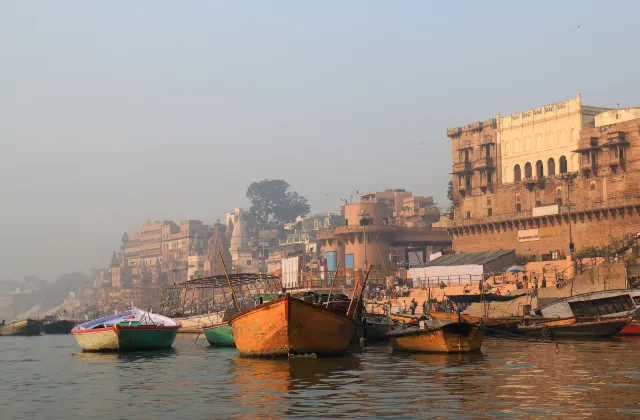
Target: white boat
608,303
194,324
131,330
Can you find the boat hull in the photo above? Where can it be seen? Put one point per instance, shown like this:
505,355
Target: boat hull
291,326
102,339
26,327
59,327
572,328
194,324
451,338
376,327
220,335
120,338
632,329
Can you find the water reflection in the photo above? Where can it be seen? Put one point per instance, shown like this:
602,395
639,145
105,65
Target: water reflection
509,379
448,360
132,356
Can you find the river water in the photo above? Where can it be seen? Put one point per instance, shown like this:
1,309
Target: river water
48,377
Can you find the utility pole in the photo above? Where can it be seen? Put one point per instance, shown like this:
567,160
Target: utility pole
365,220
569,178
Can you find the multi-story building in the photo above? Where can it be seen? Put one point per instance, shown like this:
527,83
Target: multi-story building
367,238
164,241
565,173
392,198
419,211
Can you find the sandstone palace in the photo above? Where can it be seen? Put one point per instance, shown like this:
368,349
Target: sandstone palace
540,179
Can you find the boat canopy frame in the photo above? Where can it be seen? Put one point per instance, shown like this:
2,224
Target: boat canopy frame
204,295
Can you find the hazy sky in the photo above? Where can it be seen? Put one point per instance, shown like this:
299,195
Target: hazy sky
112,113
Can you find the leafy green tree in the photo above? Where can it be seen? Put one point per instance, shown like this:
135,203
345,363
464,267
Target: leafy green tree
272,204
450,191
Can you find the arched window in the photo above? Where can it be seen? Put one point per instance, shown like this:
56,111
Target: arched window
539,169
517,174
551,167
563,165
528,173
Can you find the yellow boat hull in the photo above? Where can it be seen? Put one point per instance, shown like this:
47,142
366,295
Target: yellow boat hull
194,324
451,338
101,340
291,326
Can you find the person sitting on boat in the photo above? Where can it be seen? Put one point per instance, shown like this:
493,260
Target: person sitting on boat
442,285
2,324
282,292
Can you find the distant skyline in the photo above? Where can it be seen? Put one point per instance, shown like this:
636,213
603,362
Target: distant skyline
113,113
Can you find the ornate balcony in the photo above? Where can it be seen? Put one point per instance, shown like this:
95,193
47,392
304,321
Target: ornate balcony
487,139
587,165
462,167
484,163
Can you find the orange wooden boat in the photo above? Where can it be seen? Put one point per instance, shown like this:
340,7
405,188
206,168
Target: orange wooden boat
289,326
455,337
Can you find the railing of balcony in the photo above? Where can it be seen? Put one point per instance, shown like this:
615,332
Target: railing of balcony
462,167
484,162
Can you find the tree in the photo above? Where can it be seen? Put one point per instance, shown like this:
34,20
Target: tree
451,200
272,204
450,191
125,238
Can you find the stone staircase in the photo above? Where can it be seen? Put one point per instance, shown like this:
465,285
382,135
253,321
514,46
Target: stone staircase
605,276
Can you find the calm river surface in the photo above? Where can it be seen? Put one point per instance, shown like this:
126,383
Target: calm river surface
48,377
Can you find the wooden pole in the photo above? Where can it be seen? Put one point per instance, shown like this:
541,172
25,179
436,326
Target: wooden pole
335,275
364,283
226,273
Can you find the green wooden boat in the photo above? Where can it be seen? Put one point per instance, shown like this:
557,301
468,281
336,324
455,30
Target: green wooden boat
131,330
219,335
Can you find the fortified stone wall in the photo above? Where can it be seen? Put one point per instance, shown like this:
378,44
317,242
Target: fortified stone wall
603,200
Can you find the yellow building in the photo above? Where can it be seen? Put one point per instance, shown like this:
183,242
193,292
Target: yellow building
540,142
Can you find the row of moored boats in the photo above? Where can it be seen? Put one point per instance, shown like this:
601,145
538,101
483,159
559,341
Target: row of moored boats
308,323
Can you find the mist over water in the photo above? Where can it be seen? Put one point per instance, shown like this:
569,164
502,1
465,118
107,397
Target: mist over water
48,377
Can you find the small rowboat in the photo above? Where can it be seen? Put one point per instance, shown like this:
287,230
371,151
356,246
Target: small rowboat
454,337
219,335
26,327
574,327
131,330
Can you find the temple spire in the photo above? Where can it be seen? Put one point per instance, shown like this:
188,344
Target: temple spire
114,261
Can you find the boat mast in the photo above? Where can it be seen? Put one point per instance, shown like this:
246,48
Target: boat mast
333,281
364,283
226,273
